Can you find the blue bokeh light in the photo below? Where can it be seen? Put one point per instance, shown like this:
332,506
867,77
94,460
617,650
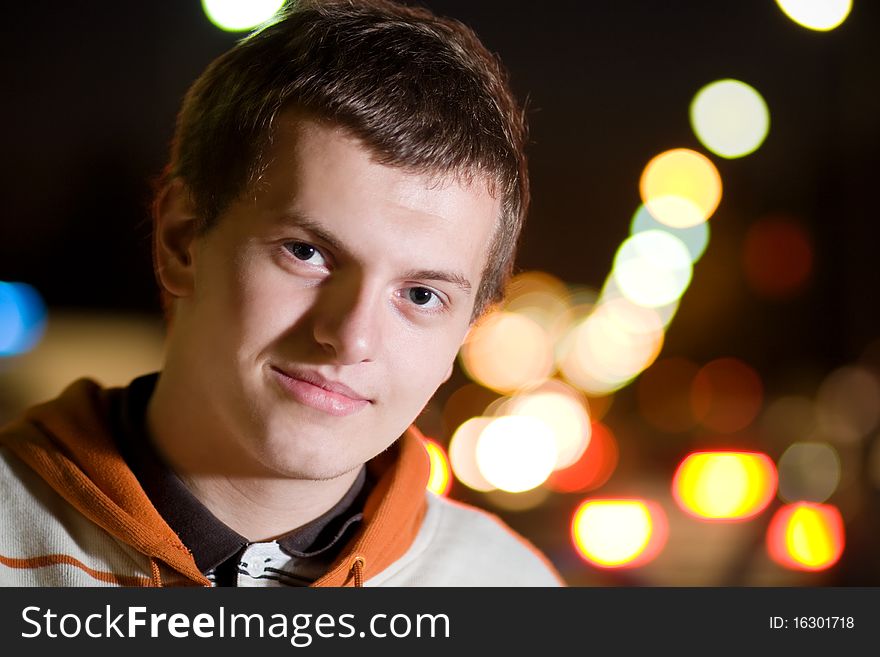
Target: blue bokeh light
22,318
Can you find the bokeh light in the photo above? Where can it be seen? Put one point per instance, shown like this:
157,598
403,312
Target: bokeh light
240,15
724,485
808,472
848,403
539,296
516,454
806,536
463,453
695,238
680,188
523,501
560,407
726,395
664,394
507,351
610,347
819,15
440,480
617,533
777,257
22,318
593,468
652,268
464,403
789,419
730,118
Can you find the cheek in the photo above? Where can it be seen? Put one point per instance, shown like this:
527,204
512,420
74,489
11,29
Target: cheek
421,366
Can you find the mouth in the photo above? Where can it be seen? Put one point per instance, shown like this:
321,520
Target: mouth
313,390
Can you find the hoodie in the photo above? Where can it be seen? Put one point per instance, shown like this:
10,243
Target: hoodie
74,514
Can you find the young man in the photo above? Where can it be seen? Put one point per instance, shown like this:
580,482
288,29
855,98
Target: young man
344,196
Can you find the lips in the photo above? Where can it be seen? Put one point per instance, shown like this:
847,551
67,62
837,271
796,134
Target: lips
313,390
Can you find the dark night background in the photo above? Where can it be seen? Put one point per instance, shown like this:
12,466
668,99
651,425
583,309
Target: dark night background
91,90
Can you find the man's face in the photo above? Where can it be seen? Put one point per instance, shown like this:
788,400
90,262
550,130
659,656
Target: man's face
328,306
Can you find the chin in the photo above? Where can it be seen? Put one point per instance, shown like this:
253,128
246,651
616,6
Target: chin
306,460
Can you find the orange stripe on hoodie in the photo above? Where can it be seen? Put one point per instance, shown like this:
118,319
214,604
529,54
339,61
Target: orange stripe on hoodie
67,441
65,559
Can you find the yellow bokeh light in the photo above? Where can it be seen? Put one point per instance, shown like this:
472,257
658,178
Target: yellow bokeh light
463,453
724,485
516,454
439,481
240,15
652,268
615,533
507,352
680,188
806,536
730,118
610,347
819,15
563,412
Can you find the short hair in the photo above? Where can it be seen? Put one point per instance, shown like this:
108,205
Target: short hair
419,91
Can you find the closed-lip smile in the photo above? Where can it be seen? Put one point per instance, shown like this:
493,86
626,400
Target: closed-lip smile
314,390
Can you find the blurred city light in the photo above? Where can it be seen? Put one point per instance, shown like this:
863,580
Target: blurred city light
22,318
593,468
680,188
539,296
724,485
848,404
563,409
507,351
652,268
695,238
819,15
240,15
523,501
730,118
808,472
777,257
789,419
439,481
726,395
610,347
664,394
463,454
617,533
516,454
806,536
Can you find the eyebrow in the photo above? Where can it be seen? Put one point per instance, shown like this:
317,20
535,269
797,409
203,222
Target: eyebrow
316,229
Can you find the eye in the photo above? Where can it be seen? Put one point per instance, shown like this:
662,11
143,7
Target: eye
424,297
306,253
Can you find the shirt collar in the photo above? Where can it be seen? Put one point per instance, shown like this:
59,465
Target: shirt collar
211,541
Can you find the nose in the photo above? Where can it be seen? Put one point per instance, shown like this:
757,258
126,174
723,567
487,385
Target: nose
347,319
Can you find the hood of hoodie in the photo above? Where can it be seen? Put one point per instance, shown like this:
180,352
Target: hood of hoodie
69,443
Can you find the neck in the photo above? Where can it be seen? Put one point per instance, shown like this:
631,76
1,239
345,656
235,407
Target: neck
249,498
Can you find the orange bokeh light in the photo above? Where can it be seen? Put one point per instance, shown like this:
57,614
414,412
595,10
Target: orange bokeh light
725,485
777,257
594,467
806,536
619,533
440,479
726,395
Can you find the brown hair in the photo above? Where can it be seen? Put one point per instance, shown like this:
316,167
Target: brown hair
421,92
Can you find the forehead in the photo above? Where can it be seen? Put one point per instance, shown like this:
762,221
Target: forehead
319,170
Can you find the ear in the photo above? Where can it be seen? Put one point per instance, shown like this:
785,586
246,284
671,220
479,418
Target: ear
175,225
